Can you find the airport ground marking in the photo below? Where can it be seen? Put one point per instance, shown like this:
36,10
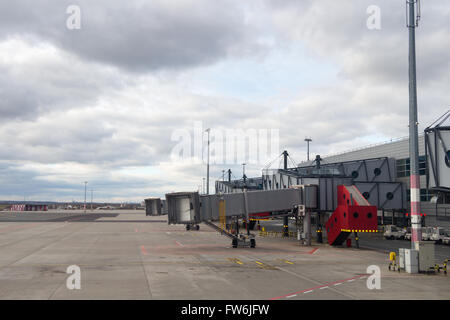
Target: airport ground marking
324,286
285,261
179,244
265,266
235,260
18,227
144,251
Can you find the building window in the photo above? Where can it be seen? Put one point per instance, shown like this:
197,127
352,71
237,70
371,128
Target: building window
424,195
403,167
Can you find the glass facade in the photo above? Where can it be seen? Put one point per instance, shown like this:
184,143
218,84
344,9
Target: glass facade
403,167
424,195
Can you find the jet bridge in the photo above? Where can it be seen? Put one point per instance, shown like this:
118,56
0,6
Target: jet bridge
190,208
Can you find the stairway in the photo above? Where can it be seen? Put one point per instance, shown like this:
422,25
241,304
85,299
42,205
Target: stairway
353,214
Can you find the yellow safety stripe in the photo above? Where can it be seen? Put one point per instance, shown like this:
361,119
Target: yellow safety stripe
352,230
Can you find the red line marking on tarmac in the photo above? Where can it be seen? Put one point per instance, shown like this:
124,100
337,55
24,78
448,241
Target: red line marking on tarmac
144,252
18,227
179,244
318,287
313,251
136,230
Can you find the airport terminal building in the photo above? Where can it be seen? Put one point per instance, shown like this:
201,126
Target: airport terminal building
397,150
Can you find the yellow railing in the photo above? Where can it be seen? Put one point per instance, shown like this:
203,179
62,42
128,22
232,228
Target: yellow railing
277,234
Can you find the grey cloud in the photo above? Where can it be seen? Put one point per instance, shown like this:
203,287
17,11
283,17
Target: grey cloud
44,82
135,35
16,101
336,30
19,182
62,108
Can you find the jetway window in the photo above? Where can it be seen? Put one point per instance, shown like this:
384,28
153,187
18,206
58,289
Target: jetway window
424,195
377,171
366,195
355,174
403,167
355,215
389,195
447,159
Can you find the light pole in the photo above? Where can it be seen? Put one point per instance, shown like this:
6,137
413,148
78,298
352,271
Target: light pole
85,185
207,165
92,198
243,172
308,140
413,22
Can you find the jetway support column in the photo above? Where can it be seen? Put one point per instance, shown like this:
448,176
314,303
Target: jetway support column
319,237
286,226
307,227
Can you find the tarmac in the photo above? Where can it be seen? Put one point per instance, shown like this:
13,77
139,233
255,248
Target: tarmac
126,255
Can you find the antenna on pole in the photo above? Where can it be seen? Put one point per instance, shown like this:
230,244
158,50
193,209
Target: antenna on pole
413,16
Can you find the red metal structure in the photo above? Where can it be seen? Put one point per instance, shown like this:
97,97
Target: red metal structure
353,214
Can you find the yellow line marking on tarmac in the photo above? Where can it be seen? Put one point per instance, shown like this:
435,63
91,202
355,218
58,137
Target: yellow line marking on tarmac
235,260
285,261
265,266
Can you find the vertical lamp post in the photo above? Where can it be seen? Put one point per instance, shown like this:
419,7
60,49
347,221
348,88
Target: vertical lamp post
413,16
207,165
92,198
85,184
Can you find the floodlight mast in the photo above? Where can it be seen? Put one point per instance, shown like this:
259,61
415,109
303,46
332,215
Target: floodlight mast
413,17
308,140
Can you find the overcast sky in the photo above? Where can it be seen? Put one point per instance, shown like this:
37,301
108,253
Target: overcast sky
101,103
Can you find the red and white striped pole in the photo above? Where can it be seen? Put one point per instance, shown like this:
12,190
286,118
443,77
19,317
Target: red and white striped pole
416,234
416,225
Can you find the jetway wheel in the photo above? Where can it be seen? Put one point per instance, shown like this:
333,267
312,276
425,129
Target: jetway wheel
252,243
188,227
197,227
234,242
